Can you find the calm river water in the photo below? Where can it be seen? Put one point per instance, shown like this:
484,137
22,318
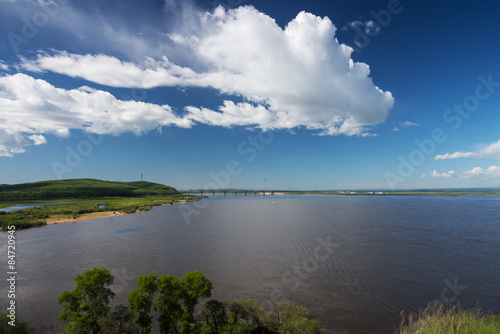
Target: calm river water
354,261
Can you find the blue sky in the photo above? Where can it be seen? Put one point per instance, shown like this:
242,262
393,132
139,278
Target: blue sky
200,94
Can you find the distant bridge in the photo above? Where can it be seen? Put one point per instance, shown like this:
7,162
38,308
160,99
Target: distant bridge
229,191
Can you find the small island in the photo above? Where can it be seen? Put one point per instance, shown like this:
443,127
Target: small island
64,201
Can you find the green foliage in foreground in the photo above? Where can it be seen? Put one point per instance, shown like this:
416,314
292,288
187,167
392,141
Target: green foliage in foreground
141,301
436,320
248,316
20,327
174,301
82,188
178,299
87,305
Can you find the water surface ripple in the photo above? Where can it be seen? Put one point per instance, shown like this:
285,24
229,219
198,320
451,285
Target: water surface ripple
354,261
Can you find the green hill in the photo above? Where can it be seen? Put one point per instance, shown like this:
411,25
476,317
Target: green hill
82,188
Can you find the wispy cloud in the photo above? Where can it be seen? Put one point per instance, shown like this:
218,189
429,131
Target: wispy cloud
456,155
110,71
409,124
368,27
406,124
478,172
489,151
134,31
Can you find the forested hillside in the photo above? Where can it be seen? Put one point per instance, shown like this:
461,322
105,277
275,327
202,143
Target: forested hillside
82,188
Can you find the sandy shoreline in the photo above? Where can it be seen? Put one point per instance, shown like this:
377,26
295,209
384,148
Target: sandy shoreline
58,219
63,219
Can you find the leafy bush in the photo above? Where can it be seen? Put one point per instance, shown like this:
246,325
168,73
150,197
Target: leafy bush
175,301
20,327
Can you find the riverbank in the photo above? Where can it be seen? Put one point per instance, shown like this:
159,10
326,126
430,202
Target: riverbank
439,319
88,209
62,219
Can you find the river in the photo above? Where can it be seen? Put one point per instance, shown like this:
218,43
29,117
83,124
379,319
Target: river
354,261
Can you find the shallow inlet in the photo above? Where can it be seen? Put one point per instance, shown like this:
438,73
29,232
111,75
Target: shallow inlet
37,205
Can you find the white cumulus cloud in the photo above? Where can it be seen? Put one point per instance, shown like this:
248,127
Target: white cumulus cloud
31,108
491,172
486,151
449,174
291,77
455,155
38,139
231,114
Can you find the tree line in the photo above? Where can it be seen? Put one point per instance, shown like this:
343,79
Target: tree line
86,309
82,188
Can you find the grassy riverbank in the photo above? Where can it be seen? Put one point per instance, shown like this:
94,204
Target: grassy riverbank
34,217
436,320
85,198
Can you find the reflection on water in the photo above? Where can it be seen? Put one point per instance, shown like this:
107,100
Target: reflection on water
355,262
